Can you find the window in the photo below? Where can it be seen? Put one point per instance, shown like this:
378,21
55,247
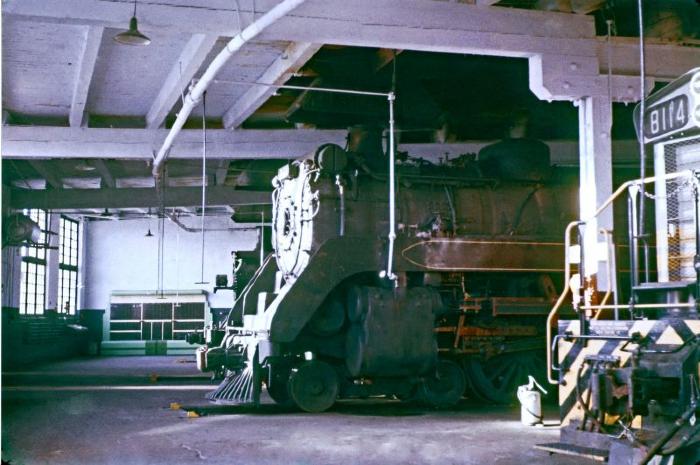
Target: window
68,266
33,285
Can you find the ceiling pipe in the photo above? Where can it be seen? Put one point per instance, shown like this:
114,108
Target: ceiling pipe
240,227
195,94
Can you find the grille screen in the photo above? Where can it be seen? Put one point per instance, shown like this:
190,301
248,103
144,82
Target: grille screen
680,206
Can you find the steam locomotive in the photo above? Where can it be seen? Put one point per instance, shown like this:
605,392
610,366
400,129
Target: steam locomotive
476,257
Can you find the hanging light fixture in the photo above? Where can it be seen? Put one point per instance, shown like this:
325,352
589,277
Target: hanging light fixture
84,165
133,36
149,233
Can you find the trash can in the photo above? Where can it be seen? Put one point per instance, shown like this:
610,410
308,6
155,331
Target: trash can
92,319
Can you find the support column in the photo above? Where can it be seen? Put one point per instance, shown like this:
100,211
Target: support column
52,257
595,148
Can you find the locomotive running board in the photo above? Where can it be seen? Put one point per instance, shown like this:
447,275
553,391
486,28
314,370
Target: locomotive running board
585,444
598,455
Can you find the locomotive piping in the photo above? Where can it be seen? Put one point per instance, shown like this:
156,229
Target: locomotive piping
341,196
389,273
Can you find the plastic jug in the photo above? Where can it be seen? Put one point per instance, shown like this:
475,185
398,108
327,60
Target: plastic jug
530,402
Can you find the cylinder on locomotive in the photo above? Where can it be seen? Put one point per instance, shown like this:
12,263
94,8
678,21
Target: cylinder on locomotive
475,258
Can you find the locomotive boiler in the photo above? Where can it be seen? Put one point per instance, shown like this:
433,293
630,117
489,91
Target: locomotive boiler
476,259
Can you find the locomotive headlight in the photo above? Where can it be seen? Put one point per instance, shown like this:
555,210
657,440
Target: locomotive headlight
695,96
695,85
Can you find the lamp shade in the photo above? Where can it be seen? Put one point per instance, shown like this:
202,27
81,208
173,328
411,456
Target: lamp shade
133,36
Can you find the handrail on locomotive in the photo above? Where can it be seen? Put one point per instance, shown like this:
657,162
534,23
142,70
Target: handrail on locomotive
632,187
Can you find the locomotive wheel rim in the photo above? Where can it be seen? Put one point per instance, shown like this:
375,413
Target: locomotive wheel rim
446,388
498,378
313,386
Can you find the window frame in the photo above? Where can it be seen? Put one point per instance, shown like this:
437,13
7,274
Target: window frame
34,260
69,251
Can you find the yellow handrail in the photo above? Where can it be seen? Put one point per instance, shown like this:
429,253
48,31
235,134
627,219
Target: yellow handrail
567,244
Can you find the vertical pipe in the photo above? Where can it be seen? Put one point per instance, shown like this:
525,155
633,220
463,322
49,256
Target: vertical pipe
642,152
634,249
262,237
696,258
341,196
392,193
177,267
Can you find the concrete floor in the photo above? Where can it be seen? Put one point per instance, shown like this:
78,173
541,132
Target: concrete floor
85,412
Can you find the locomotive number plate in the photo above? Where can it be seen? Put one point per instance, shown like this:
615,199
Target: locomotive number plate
666,117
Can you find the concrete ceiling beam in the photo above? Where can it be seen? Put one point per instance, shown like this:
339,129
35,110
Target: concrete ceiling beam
86,69
45,142
188,63
289,62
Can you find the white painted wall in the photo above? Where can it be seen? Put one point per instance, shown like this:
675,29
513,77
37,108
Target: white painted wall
118,257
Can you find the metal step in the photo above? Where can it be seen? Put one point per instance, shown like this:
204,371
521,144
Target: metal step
599,455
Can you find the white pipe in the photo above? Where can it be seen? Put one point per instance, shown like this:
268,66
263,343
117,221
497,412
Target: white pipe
195,94
392,191
253,226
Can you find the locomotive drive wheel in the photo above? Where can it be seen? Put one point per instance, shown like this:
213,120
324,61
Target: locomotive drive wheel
444,389
313,387
497,379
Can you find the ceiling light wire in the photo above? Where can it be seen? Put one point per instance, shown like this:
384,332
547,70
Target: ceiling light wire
204,179
160,188
177,264
609,24
182,90
161,252
238,15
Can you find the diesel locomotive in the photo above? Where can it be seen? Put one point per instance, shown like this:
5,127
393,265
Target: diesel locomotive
476,259
628,384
